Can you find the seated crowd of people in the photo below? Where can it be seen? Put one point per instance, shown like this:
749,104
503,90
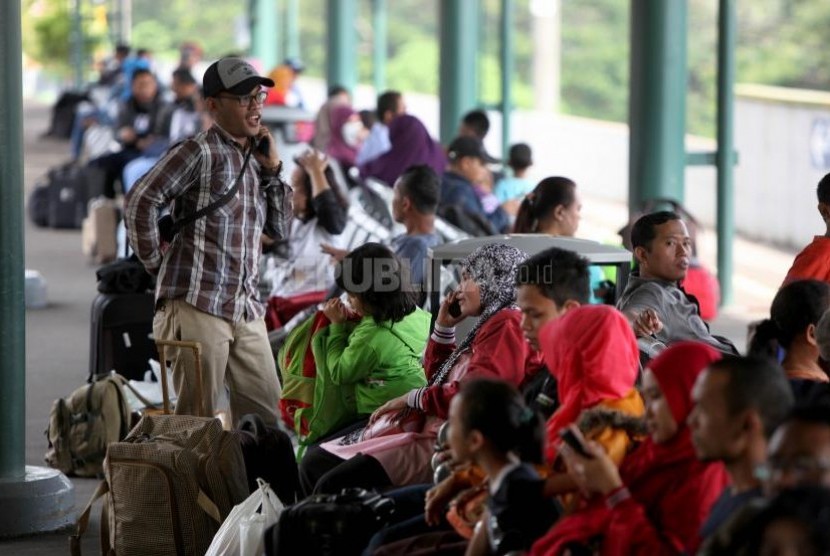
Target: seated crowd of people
561,441
565,434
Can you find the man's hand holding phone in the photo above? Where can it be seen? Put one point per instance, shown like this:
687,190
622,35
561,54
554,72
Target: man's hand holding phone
265,151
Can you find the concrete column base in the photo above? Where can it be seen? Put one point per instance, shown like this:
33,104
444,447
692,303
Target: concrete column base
43,500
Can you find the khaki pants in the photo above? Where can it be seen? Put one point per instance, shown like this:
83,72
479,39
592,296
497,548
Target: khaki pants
234,354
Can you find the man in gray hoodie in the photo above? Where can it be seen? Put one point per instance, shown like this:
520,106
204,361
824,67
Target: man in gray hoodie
653,300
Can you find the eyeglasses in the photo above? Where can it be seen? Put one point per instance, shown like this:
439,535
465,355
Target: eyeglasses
245,100
800,467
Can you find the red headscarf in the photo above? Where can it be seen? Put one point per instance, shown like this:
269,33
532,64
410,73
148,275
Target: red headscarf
592,353
675,489
676,370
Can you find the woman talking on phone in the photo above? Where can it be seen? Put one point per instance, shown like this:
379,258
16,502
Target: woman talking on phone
400,453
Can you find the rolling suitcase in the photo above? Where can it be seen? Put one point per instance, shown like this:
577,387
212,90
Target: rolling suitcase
121,334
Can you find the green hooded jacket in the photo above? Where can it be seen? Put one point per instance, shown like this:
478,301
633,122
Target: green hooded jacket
380,361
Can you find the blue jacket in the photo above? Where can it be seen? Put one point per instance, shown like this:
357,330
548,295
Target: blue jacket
457,190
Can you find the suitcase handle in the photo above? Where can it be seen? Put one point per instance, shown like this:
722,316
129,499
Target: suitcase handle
197,356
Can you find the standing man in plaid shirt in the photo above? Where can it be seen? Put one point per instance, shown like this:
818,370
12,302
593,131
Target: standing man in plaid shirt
207,277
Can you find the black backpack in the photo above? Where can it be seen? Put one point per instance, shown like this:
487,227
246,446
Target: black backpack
329,524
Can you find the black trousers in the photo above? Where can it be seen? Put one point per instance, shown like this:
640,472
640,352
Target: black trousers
321,472
113,165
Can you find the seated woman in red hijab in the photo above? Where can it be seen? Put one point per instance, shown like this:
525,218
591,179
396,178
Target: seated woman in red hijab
592,353
657,500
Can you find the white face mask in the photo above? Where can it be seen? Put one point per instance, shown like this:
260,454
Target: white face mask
351,132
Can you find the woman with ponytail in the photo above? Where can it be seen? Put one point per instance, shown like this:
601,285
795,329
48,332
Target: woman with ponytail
554,208
492,427
791,331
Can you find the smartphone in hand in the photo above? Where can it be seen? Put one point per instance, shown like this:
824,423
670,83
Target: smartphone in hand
573,438
454,309
263,147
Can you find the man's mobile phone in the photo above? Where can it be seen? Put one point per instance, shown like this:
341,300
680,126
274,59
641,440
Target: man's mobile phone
454,309
263,147
575,442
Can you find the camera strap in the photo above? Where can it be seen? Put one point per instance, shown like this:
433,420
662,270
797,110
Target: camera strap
218,203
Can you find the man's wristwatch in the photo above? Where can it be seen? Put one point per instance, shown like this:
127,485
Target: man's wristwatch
275,171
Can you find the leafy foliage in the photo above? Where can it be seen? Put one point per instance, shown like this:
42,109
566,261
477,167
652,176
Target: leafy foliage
780,42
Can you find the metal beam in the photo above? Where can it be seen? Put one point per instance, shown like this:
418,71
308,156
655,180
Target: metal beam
77,45
265,33
34,499
725,188
507,7
341,44
12,309
657,101
292,29
379,17
458,20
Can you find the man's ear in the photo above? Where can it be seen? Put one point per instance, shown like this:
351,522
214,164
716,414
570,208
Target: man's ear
570,304
640,253
810,335
406,204
752,422
475,440
824,211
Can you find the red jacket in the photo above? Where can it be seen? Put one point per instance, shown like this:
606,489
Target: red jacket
663,515
671,491
499,351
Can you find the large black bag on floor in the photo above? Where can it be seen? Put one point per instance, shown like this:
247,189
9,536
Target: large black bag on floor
329,524
70,186
38,206
268,455
67,196
120,335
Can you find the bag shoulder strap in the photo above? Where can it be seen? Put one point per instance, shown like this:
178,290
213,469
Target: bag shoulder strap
218,203
83,519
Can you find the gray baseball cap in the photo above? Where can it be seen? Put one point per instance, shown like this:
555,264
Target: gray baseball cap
233,75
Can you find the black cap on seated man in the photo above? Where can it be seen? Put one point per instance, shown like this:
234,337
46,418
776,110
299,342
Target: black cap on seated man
460,189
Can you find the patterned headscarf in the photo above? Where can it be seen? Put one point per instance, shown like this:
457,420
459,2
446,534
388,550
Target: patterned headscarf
493,268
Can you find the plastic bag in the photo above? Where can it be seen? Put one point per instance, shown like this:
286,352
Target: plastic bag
258,512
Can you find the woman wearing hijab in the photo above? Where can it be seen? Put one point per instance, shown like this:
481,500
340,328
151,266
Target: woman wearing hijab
657,500
347,132
592,353
494,348
411,145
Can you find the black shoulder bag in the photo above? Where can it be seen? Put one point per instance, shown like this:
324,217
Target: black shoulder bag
168,228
